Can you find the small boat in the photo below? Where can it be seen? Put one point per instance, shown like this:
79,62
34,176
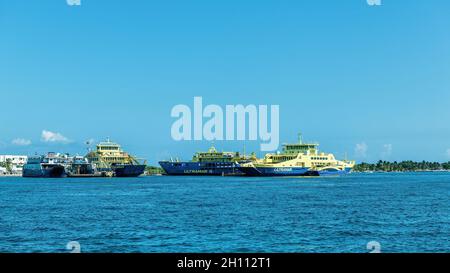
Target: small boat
80,167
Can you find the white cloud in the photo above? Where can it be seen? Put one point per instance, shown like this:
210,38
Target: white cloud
361,149
387,150
48,136
21,142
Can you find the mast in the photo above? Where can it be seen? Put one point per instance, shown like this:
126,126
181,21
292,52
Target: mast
300,138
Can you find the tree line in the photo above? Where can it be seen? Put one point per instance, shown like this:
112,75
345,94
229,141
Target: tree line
403,166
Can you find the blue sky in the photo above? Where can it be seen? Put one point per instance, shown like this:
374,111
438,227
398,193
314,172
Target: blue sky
372,82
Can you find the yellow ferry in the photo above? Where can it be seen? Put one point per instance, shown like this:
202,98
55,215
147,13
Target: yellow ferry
298,159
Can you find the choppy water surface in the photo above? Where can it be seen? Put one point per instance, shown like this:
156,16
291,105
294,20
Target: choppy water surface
403,212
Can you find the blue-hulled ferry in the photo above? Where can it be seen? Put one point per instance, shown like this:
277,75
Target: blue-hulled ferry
211,162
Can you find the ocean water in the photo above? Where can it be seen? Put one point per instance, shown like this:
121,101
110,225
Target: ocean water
403,212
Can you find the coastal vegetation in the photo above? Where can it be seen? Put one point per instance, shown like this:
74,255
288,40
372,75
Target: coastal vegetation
152,170
403,166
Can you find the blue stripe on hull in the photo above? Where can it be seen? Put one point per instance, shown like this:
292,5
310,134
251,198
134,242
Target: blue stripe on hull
335,172
200,168
330,172
270,171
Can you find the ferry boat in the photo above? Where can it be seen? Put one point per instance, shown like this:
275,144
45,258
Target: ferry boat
298,159
211,162
111,159
52,165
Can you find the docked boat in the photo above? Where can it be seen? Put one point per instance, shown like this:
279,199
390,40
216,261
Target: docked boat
298,159
109,158
81,167
52,165
211,162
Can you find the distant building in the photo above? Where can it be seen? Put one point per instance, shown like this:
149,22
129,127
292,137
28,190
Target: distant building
16,161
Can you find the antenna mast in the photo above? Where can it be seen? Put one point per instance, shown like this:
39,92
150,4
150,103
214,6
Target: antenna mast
88,145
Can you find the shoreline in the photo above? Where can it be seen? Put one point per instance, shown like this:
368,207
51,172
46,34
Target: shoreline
414,171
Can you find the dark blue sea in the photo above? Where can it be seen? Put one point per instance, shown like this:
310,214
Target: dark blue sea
403,212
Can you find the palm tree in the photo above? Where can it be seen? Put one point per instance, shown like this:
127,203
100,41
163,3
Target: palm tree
8,165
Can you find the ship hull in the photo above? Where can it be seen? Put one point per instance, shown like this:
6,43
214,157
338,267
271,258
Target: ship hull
201,168
291,171
273,171
128,170
48,172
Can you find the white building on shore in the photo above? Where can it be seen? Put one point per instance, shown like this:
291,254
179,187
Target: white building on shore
16,163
